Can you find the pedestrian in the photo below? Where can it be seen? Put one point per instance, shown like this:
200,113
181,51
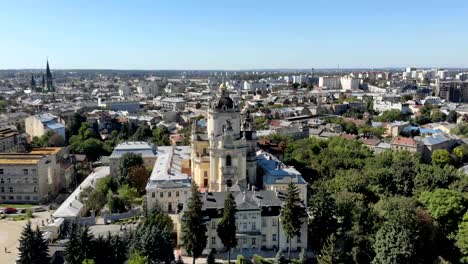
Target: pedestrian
6,250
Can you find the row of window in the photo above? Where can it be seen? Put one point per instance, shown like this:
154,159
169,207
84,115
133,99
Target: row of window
254,240
11,189
19,198
168,193
274,222
25,171
25,180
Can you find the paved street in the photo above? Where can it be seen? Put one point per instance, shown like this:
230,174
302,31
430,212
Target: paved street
10,231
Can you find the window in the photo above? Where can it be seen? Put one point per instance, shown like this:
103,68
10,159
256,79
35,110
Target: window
229,183
25,171
2,180
273,237
27,198
11,198
244,226
10,189
35,189
34,180
19,198
33,171
1,171
153,194
3,197
244,240
254,241
274,221
169,194
298,239
35,198
254,226
264,222
205,174
177,193
161,194
169,207
213,225
263,238
8,180
213,240
228,160
2,189
26,180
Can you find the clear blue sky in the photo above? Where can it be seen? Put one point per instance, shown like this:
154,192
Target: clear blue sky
236,34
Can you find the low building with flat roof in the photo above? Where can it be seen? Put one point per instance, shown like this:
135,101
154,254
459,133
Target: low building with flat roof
146,150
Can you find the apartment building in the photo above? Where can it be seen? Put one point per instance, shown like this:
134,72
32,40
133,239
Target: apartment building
33,177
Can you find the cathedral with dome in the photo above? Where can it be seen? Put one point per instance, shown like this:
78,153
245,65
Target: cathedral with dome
224,152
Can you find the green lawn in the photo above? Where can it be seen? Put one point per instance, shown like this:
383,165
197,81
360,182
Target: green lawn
25,206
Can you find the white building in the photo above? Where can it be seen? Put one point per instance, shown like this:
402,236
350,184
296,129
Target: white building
331,83
145,149
38,125
350,83
169,183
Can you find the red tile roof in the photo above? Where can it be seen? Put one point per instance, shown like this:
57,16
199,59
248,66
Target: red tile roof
404,141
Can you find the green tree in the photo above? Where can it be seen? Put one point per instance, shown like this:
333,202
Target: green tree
462,238
394,244
227,225
390,116
438,116
33,248
194,229
329,253
161,136
323,222
446,207
88,261
79,245
441,158
452,116
143,133
137,258
126,163
292,214
461,152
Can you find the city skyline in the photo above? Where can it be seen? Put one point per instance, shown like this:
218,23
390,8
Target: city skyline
233,36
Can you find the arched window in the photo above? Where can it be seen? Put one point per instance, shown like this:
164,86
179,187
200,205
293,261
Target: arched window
228,160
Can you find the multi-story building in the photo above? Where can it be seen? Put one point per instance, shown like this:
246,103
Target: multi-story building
173,103
257,220
9,139
350,83
38,125
169,183
452,91
331,83
31,177
408,144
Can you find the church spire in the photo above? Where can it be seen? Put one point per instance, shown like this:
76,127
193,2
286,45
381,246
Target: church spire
49,85
33,82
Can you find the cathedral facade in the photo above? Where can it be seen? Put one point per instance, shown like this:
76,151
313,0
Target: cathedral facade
224,153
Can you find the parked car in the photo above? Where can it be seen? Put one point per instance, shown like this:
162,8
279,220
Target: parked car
10,210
